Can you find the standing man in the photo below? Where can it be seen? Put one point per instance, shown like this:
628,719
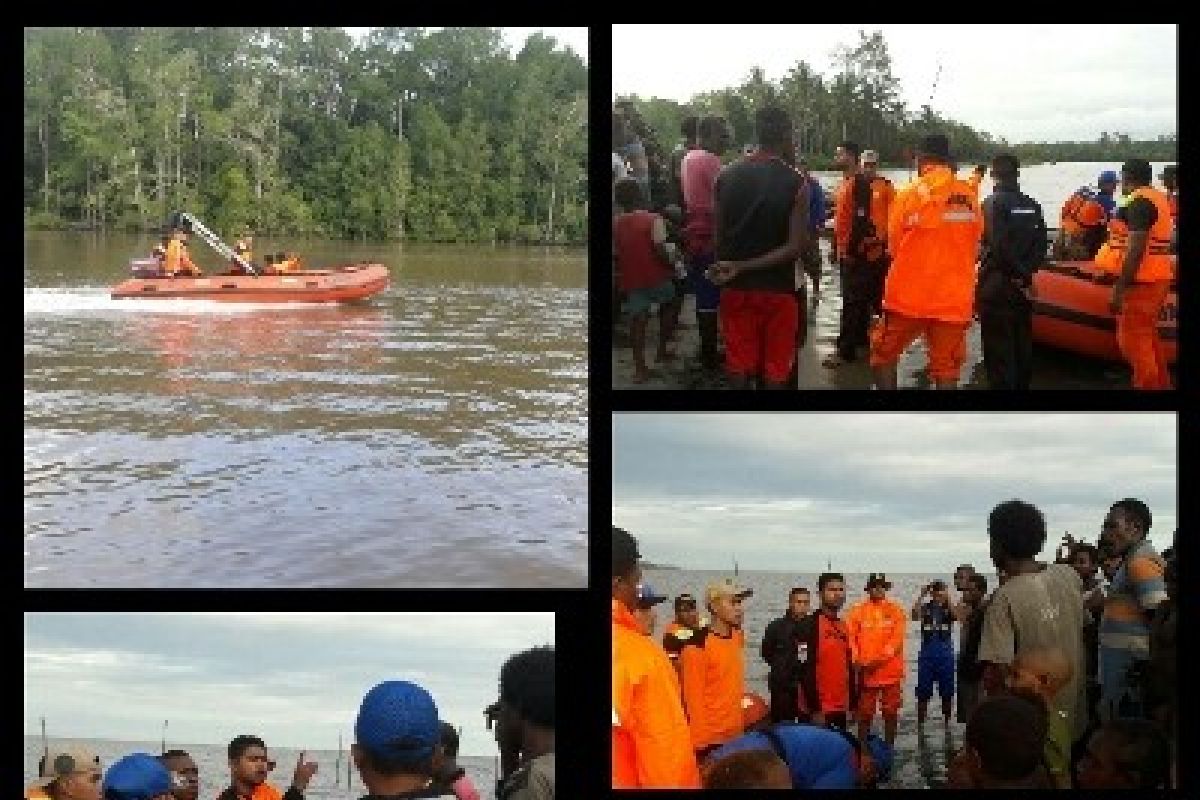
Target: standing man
698,178
651,744
1038,606
935,660
647,600
1137,589
712,670
1170,181
876,627
970,671
861,223
1014,246
185,775
248,768
397,742
1085,559
683,628
827,690
1138,254
67,773
762,223
1106,184
933,237
525,724
781,652
690,129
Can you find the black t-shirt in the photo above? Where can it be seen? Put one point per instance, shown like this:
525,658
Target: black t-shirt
1139,215
755,197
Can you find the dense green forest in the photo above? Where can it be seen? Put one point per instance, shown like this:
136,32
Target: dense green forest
861,102
441,135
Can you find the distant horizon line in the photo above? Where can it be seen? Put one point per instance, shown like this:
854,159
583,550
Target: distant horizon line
184,746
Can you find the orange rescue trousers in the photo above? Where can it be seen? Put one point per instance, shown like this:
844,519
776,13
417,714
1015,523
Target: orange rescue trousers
1137,334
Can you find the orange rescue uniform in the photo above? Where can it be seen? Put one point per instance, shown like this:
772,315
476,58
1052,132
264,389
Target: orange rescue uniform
651,744
877,638
934,230
712,672
177,260
1137,322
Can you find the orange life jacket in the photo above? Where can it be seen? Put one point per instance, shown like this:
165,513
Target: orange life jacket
177,261
651,743
934,229
1156,264
1081,212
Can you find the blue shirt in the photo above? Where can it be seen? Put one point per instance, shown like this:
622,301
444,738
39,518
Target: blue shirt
816,206
817,757
1108,201
936,620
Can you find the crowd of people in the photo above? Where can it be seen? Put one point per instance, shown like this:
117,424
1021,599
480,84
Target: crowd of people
1062,680
401,750
922,260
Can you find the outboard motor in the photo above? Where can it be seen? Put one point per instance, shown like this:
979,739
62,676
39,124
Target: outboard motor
145,268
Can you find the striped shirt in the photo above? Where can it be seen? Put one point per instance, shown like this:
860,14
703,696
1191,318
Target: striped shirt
1138,586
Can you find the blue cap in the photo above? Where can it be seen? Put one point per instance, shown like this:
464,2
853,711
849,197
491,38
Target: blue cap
881,754
647,597
1108,176
398,720
139,776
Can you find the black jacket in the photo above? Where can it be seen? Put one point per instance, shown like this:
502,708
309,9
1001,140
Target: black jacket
779,648
806,640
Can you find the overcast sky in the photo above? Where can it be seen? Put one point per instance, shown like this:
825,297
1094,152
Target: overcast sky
892,492
574,38
1021,82
295,679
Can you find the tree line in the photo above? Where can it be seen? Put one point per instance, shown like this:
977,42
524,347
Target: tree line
861,102
411,134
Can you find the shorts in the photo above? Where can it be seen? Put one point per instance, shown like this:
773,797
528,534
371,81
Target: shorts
640,301
708,295
936,666
759,328
947,342
887,696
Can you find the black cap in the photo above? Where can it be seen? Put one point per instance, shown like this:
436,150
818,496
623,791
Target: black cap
877,579
936,145
1169,171
685,601
937,586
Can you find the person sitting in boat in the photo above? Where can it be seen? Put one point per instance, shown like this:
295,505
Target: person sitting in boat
1083,225
177,262
244,248
287,262
159,253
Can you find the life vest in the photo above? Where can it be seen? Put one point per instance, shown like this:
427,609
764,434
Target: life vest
934,230
1156,263
868,228
1082,213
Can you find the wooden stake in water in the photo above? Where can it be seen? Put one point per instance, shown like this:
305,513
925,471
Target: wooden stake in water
45,744
337,767
164,737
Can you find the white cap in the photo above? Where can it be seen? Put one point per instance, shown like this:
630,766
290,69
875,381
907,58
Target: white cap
869,157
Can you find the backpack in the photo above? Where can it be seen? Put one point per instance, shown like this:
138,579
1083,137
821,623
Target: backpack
1017,236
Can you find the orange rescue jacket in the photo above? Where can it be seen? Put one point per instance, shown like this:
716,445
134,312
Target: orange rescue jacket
651,744
877,637
934,230
1157,264
1080,213
712,671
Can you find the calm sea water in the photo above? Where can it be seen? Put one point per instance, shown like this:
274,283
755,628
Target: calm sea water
328,784
434,436
920,760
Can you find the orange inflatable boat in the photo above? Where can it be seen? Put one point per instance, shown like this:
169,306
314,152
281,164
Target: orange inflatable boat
339,284
1070,311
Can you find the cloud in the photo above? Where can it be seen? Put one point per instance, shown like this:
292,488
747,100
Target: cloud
907,488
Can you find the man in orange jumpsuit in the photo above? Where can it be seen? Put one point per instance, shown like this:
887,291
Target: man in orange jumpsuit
651,744
934,229
1138,254
876,629
712,670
